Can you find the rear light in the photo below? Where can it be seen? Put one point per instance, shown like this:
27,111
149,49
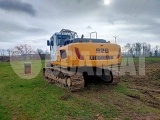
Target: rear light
81,57
118,56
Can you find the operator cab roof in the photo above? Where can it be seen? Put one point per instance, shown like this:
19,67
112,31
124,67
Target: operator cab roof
58,33
88,39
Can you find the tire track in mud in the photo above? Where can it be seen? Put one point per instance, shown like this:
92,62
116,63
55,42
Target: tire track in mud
148,85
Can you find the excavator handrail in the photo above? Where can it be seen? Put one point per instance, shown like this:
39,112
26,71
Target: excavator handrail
92,33
73,34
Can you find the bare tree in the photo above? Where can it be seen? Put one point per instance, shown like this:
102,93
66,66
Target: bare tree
2,54
144,46
127,48
146,49
40,51
23,50
8,52
131,50
157,48
137,48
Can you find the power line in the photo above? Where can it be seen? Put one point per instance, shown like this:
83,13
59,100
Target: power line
131,9
135,8
138,11
137,4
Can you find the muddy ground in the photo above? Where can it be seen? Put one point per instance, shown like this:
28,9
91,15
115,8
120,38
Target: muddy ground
138,100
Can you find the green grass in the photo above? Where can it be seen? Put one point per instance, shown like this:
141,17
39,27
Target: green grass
147,59
36,99
4,113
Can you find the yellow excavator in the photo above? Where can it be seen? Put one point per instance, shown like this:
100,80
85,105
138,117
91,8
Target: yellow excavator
76,60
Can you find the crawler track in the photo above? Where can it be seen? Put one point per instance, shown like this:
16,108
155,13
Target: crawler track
72,83
71,80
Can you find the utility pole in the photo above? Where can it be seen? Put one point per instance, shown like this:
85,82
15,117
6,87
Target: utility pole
115,38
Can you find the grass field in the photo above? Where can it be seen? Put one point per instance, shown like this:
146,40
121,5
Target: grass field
136,97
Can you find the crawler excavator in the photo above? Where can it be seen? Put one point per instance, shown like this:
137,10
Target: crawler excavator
75,60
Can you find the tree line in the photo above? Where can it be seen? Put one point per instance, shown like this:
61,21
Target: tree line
141,49
21,50
134,49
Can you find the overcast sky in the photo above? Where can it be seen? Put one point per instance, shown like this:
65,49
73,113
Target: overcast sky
34,21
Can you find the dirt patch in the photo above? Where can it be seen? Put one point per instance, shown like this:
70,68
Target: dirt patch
143,94
99,117
147,118
133,96
19,116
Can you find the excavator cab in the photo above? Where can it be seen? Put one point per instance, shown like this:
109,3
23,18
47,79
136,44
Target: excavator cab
59,40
